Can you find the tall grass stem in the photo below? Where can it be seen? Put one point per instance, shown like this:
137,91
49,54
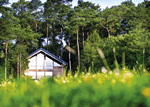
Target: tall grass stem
103,58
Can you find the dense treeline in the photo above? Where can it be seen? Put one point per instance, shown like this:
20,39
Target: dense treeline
25,25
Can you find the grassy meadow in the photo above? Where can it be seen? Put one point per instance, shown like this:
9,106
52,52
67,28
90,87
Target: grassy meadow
106,88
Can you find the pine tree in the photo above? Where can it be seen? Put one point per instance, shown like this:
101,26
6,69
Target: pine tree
24,38
33,6
62,14
89,13
111,20
76,21
3,8
6,34
90,54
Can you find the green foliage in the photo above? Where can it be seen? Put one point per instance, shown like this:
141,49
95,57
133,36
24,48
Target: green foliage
100,89
90,53
132,44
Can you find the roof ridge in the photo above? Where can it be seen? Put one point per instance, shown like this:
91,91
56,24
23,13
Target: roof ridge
52,55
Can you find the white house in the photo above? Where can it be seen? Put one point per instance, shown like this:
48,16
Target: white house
43,63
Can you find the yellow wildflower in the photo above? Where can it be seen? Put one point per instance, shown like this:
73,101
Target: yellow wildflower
113,81
99,81
146,92
148,74
88,79
79,81
123,80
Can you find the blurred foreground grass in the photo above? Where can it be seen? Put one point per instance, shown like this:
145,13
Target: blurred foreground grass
107,89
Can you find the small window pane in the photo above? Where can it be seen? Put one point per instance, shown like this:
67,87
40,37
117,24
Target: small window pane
40,61
49,63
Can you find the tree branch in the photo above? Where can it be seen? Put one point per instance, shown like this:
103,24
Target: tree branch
104,27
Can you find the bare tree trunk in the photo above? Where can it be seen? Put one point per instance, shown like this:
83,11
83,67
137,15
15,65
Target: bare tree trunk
12,71
6,61
108,30
109,35
36,28
61,44
78,49
36,33
47,34
18,67
53,44
87,35
83,36
69,57
20,57
20,64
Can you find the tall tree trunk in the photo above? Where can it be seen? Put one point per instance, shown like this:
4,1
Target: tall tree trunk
61,39
6,45
20,64
83,36
36,33
78,48
20,58
36,22
61,44
87,35
47,34
53,44
109,35
69,57
18,67
36,28
12,71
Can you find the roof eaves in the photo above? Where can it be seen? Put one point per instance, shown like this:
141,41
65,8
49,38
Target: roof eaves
50,54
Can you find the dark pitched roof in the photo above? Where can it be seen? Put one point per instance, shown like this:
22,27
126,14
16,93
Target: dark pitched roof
49,54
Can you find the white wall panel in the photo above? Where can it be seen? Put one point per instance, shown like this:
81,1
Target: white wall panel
49,74
31,73
40,74
49,63
32,64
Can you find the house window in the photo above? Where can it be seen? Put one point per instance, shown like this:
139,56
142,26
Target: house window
49,63
40,61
